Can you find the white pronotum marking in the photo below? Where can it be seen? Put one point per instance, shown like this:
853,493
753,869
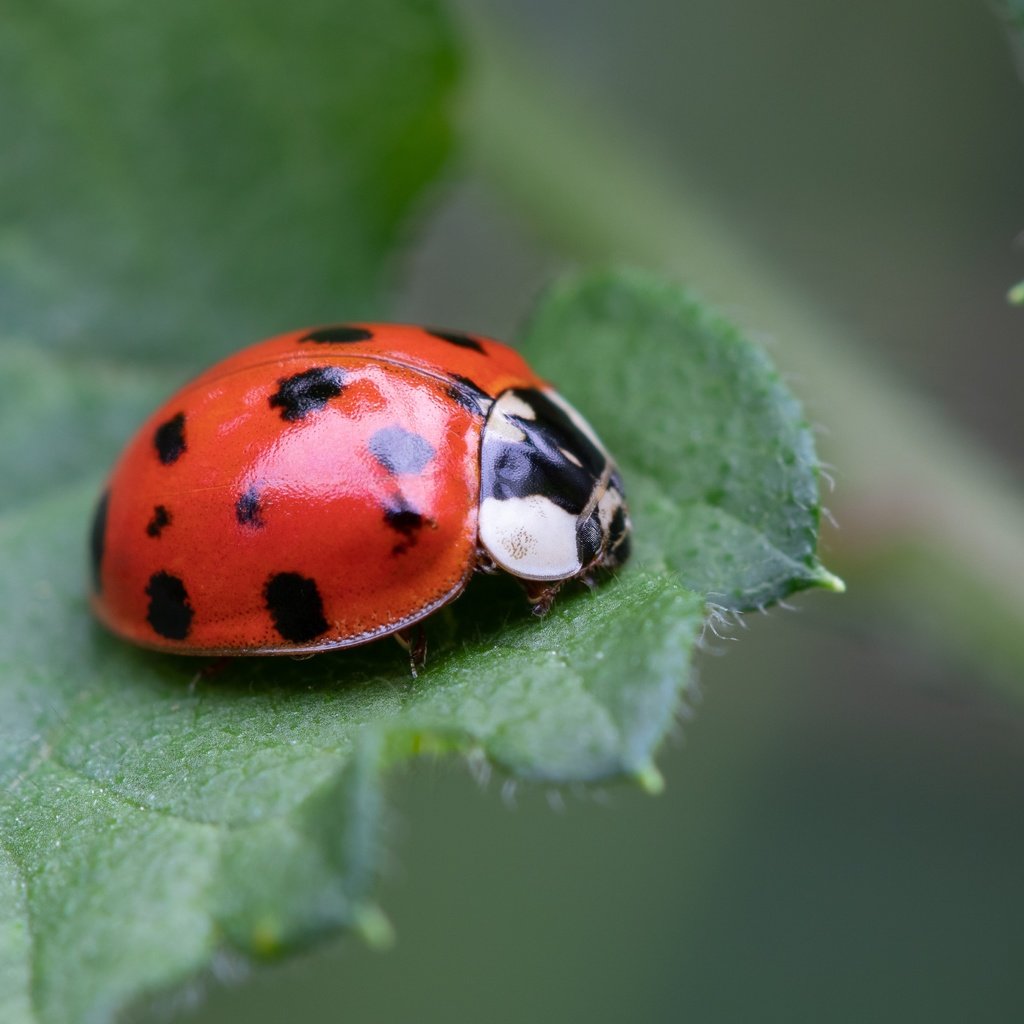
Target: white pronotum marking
530,537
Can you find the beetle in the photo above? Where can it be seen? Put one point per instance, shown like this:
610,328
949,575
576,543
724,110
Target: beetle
333,485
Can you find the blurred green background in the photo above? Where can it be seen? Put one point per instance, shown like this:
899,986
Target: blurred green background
841,836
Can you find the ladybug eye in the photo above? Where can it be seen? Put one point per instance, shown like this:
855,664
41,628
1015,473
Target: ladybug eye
547,498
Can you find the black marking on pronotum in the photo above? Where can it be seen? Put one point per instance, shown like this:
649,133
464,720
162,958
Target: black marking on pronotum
295,606
553,425
161,518
169,439
468,394
400,451
538,464
247,508
519,469
458,338
98,539
403,519
307,392
338,334
169,613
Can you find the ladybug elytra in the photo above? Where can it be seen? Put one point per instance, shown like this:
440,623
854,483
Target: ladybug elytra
327,487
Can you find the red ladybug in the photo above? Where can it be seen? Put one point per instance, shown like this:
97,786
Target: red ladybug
327,487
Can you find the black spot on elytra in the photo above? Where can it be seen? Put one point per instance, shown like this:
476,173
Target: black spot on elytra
169,613
161,518
400,451
247,508
169,439
458,338
296,607
98,539
338,334
403,519
307,392
468,394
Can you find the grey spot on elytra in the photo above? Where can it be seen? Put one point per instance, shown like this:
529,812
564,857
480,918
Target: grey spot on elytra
400,451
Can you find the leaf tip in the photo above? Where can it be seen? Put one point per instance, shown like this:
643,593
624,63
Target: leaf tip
1015,296
373,927
649,779
828,580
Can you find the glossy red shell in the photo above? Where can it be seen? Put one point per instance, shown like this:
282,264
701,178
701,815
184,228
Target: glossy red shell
316,490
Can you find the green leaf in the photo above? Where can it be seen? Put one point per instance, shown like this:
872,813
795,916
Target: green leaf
241,810
719,463
149,817
70,417
188,177
157,810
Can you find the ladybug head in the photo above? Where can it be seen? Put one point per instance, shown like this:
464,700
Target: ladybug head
552,505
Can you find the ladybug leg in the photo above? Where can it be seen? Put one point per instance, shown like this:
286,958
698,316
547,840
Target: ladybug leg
413,640
210,670
541,594
485,564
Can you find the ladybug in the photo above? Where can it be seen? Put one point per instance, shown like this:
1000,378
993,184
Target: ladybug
331,486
